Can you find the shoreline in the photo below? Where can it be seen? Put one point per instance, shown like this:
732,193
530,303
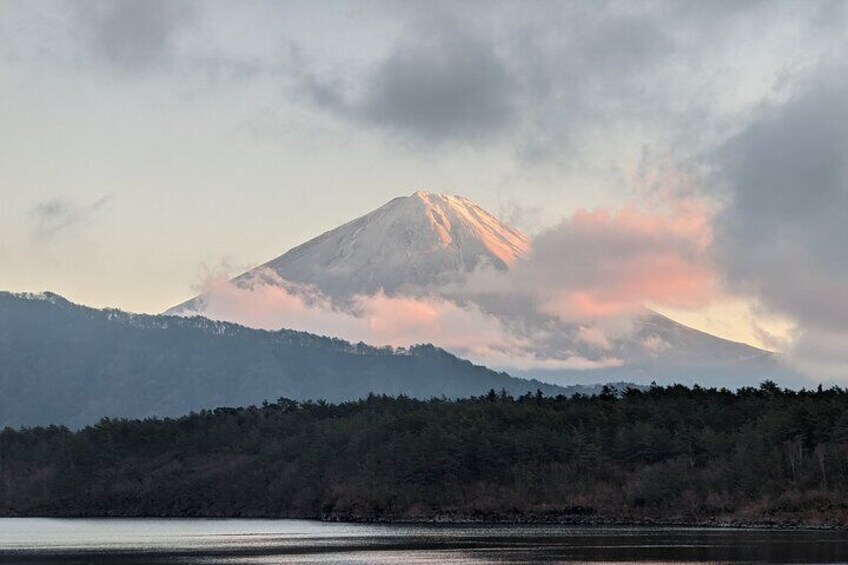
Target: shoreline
487,520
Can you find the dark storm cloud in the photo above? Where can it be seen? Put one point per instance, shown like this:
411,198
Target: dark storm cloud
784,234
436,84
133,35
786,228
60,215
538,73
443,86
462,74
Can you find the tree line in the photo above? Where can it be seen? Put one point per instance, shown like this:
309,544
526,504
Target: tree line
666,453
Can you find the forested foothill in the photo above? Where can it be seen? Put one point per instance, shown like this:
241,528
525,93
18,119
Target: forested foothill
670,454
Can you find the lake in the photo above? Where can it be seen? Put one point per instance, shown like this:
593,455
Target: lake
238,541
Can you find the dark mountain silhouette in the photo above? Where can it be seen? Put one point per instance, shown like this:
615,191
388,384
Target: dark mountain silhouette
61,363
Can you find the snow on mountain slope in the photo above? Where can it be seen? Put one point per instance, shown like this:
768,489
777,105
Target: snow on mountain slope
420,240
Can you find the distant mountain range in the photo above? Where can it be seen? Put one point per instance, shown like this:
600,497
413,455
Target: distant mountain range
61,363
428,244
67,364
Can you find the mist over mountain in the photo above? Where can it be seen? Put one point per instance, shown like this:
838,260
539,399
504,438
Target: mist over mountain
61,363
452,256
662,350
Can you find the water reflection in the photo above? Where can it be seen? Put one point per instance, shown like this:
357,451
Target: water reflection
259,542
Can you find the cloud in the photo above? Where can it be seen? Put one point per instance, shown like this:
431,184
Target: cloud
554,82
60,215
821,353
133,36
548,78
782,236
606,266
526,218
593,337
439,82
655,345
266,301
599,264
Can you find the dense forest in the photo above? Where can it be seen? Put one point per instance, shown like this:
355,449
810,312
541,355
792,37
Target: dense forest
665,454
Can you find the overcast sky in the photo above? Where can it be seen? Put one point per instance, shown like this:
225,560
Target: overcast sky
145,142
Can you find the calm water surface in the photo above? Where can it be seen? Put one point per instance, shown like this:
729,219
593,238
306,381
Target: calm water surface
198,542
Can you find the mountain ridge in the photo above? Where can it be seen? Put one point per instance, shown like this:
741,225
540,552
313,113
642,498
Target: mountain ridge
62,363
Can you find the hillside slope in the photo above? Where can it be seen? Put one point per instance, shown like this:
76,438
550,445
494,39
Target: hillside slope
61,363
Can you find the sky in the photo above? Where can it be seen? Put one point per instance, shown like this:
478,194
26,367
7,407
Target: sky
145,144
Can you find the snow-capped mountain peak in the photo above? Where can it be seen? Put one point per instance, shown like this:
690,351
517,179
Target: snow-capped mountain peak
456,220
421,240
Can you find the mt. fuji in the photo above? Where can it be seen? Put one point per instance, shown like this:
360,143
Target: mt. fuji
429,245
416,242
422,240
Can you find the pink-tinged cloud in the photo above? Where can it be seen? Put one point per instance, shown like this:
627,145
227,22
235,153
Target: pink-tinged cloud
598,265
268,302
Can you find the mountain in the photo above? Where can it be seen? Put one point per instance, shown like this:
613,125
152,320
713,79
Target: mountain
420,241
662,350
61,363
427,244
